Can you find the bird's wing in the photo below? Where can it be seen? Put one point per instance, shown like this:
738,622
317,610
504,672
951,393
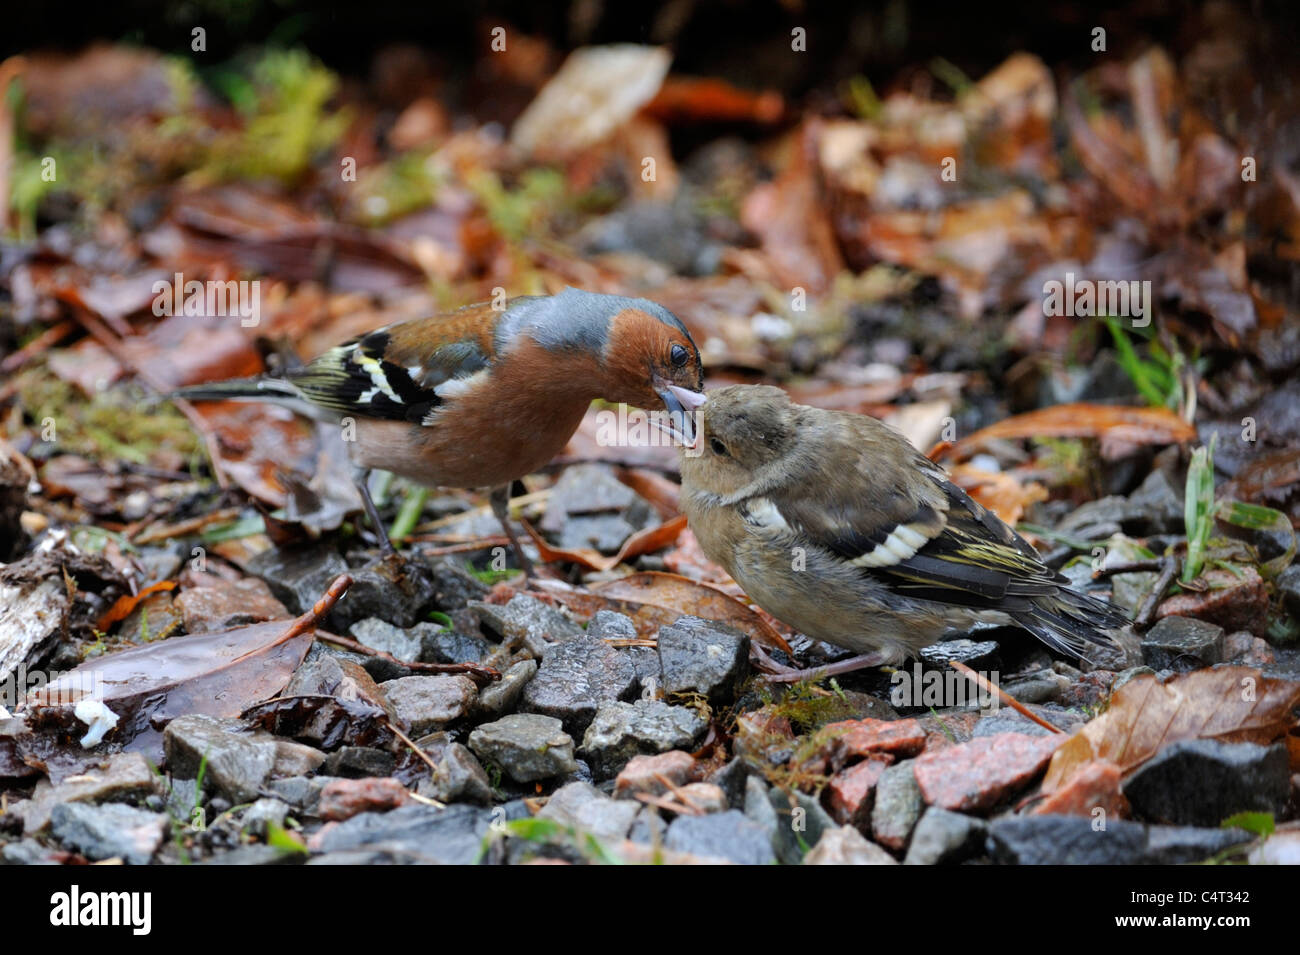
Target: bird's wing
927,539
401,372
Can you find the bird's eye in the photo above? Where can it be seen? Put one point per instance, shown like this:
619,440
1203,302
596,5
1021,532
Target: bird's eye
679,356
718,447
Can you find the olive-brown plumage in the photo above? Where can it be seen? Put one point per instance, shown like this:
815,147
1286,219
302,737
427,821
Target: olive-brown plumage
835,524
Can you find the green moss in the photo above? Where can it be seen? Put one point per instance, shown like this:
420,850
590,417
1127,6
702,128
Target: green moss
113,424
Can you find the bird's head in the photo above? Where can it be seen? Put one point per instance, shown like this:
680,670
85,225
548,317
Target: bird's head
651,360
745,431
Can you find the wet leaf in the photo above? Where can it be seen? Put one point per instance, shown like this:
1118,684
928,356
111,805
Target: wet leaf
1119,428
216,674
1233,704
679,595
642,542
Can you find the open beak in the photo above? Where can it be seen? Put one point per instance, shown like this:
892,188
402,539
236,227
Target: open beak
682,403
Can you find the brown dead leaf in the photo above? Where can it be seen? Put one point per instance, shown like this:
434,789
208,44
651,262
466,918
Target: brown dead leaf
1119,428
215,674
124,605
642,542
680,595
1234,704
1001,492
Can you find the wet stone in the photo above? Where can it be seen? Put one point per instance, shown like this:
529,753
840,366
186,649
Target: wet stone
1201,782
575,678
453,587
726,835
1182,644
443,645
623,730
1073,840
126,778
298,578
944,838
981,656
460,777
224,604
381,635
450,836
800,822
358,762
897,807
609,625
344,798
585,807
426,703
109,831
1288,585
1156,507
527,622
237,765
263,813
300,792
527,746
654,774
395,590
844,845
701,656
980,774
503,695
590,507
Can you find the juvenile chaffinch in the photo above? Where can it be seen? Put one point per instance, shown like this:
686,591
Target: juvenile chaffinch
835,524
482,396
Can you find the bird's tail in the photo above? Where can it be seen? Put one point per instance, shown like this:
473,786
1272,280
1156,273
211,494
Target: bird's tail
272,390
1073,623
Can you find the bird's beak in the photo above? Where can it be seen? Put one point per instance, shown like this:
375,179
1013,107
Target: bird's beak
682,403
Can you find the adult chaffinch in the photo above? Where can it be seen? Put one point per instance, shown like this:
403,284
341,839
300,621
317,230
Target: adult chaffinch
482,396
835,524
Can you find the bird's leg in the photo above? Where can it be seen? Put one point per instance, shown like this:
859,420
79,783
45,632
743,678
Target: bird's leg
500,500
361,477
867,660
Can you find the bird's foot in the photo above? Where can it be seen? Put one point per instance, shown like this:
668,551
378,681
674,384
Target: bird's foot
500,501
784,674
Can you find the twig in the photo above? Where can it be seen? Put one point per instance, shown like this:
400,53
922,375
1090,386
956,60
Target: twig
523,499
661,802
1003,695
40,343
477,671
313,617
415,749
478,543
1166,580
1131,567
154,532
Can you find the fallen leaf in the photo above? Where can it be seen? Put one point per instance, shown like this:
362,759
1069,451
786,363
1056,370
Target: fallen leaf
680,595
1118,427
1233,704
642,542
216,674
124,605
